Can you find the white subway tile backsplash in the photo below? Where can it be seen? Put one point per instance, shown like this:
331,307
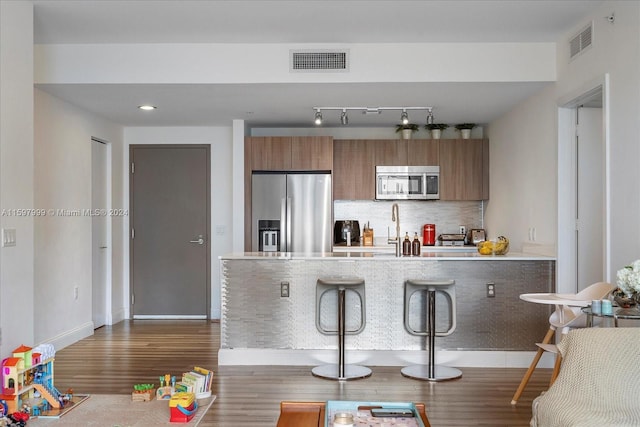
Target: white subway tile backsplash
447,216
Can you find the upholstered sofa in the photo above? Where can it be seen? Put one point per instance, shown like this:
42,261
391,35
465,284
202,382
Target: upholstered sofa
598,384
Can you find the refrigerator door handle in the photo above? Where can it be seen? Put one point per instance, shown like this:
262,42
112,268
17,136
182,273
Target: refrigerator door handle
283,223
288,224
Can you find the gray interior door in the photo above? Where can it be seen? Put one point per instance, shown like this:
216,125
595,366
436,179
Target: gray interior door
170,253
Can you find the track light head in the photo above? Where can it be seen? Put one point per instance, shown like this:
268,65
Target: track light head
404,117
343,117
318,119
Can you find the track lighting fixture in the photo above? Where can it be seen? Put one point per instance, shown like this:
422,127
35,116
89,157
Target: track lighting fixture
430,117
344,119
404,117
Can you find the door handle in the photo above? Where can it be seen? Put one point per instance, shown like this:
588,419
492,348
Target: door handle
200,240
103,247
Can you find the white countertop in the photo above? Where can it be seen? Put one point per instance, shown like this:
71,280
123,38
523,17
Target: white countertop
445,255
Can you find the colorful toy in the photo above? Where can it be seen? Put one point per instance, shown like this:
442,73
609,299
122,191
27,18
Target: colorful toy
167,387
143,392
183,407
27,373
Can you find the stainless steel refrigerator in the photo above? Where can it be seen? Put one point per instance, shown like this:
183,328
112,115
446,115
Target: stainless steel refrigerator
291,212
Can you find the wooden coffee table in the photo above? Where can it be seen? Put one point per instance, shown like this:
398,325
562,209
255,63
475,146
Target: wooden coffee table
311,414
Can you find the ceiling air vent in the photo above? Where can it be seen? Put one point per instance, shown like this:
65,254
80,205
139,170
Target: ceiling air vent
314,61
581,41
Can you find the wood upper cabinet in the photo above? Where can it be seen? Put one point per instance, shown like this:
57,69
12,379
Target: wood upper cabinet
390,152
464,169
355,161
270,153
423,152
287,153
312,153
353,169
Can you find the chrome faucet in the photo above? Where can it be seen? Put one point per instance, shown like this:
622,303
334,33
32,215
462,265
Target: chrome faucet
395,217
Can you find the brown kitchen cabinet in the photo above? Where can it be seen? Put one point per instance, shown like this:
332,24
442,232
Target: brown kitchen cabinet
353,169
423,152
269,153
390,152
464,169
289,153
310,153
406,152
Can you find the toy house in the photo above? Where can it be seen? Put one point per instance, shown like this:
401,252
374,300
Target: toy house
25,373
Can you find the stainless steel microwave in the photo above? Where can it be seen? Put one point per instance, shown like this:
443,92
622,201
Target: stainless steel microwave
407,182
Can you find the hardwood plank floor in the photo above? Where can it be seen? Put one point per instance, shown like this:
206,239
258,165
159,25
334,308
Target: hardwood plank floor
132,352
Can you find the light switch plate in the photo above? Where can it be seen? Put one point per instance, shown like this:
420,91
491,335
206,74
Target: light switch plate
8,237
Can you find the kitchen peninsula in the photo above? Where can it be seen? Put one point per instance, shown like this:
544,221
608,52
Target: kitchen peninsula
269,308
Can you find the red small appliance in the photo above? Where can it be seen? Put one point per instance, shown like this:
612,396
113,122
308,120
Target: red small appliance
429,235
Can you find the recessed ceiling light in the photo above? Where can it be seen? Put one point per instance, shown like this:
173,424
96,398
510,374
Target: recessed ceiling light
147,107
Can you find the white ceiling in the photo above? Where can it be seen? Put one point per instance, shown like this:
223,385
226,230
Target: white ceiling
299,21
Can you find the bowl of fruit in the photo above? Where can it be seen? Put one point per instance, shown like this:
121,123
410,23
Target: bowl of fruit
490,247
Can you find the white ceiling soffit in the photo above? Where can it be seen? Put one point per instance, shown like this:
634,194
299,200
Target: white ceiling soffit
289,105
297,22
305,21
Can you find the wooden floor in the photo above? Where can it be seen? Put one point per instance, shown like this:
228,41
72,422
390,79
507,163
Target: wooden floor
132,352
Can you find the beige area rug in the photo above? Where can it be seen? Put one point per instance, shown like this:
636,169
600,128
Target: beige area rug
117,410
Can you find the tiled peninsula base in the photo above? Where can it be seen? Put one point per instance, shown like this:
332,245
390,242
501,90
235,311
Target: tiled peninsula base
260,327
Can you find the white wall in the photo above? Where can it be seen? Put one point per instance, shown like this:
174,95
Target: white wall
616,51
16,173
62,183
523,172
524,142
222,224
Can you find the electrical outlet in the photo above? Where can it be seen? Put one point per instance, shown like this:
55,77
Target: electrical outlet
284,289
463,229
491,290
8,237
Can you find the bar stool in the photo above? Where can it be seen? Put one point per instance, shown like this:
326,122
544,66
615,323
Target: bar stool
431,372
341,371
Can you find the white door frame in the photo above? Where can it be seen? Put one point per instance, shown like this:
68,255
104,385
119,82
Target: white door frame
566,259
109,240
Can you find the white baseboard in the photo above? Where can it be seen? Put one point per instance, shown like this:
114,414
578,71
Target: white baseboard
117,316
216,313
479,359
71,336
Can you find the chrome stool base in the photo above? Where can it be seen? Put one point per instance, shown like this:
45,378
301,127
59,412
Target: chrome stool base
421,372
351,372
